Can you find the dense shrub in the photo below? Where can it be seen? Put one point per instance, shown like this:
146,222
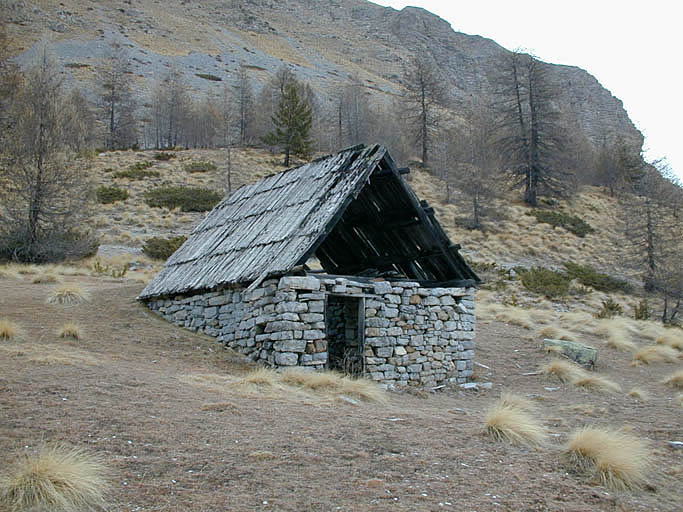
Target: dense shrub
108,195
138,171
200,167
572,224
136,174
50,247
209,76
161,248
188,199
164,156
545,281
609,309
588,276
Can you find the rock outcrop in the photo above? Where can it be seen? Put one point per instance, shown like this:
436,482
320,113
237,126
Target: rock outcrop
323,41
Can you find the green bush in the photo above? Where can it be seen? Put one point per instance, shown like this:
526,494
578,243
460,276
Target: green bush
200,167
545,281
164,156
209,76
135,174
588,276
108,195
138,171
572,224
188,199
610,308
161,248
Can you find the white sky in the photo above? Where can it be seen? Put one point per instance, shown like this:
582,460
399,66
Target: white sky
632,48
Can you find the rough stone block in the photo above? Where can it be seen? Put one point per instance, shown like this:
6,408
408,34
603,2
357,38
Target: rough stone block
382,287
290,345
582,354
299,283
313,334
316,306
384,351
312,317
286,359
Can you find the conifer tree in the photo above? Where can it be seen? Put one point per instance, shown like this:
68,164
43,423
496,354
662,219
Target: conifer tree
292,122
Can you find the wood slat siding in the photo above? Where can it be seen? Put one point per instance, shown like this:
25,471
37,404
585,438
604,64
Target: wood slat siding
264,228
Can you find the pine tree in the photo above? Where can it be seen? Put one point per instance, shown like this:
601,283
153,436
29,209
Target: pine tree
292,122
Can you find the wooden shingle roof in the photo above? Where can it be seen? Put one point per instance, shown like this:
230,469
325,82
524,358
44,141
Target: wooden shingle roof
269,227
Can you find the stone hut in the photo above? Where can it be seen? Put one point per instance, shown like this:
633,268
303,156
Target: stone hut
334,264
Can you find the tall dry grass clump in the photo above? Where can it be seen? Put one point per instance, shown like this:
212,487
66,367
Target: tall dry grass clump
68,294
596,383
563,370
69,330
621,343
656,354
8,330
674,380
45,278
573,374
329,382
511,420
9,272
292,382
57,479
673,339
609,457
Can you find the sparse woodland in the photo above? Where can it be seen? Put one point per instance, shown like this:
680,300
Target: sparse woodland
574,239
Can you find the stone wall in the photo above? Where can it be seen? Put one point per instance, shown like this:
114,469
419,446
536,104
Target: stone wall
413,336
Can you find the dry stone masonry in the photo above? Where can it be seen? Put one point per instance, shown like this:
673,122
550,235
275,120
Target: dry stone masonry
397,333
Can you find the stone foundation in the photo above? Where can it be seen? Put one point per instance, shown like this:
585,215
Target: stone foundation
407,335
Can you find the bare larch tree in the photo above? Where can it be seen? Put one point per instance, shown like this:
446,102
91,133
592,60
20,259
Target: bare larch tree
424,93
530,130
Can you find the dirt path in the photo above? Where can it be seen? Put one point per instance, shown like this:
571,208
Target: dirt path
176,446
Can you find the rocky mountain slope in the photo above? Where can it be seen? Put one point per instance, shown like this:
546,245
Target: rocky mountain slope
323,41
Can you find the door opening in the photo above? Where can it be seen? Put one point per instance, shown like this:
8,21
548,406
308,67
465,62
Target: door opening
345,326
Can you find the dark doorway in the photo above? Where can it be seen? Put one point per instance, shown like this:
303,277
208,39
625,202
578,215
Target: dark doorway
345,325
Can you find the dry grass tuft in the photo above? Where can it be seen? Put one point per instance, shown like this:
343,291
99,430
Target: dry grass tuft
610,457
674,380
597,383
69,294
572,373
334,383
58,479
219,407
517,402
292,382
50,354
619,343
262,455
261,377
639,394
69,330
45,278
510,420
672,339
656,354
564,370
8,330
9,272
556,333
